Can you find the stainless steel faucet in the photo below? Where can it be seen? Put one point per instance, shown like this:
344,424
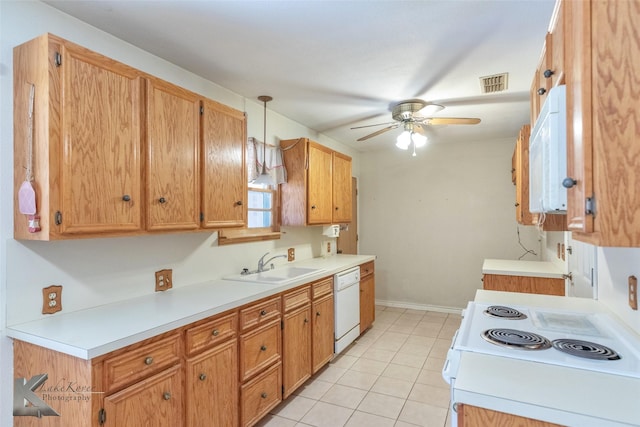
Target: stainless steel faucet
262,262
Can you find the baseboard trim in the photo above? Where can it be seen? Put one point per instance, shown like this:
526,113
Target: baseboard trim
412,306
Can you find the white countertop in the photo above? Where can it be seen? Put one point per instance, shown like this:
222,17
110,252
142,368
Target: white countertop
99,330
510,267
556,394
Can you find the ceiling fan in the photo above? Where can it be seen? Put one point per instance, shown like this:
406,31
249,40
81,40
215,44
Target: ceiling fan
413,115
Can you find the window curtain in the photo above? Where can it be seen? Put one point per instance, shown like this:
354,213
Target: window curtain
274,162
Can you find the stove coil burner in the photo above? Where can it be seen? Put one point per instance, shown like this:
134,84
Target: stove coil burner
504,312
516,339
585,349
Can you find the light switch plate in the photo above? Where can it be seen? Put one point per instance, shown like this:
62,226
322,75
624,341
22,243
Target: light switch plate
291,254
633,292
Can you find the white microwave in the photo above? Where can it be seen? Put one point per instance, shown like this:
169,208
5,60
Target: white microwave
548,156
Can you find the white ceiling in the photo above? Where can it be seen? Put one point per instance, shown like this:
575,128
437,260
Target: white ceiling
333,65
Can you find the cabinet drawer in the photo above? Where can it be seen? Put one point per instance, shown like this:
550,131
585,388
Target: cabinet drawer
322,287
211,333
296,298
260,395
259,349
367,268
137,363
260,313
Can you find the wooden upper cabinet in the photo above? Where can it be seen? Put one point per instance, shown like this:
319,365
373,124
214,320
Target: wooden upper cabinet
523,214
602,135
318,182
224,177
556,73
341,188
173,141
86,140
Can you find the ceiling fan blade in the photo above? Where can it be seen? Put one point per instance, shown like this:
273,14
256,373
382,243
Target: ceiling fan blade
368,126
450,121
378,132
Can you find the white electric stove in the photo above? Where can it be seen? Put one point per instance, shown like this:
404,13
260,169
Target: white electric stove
580,340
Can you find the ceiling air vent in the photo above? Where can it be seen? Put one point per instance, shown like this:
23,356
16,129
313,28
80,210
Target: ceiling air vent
494,83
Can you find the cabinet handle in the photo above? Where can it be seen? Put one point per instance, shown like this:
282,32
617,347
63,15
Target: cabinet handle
263,348
166,395
263,395
162,200
548,73
239,203
542,91
148,360
126,198
263,313
215,333
569,182
202,377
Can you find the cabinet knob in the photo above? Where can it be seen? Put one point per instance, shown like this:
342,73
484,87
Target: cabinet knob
542,91
263,395
166,395
548,73
263,348
126,198
239,203
215,333
517,204
569,182
337,208
162,200
148,360
317,313
202,377
263,313
313,206
306,320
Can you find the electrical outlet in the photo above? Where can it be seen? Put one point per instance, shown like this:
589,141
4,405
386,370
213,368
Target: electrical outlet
633,292
51,299
164,280
291,254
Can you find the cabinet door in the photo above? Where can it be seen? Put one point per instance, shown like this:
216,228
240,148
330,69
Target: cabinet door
100,173
367,302
156,401
579,129
523,214
319,197
224,177
341,188
172,157
212,387
322,312
556,62
296,349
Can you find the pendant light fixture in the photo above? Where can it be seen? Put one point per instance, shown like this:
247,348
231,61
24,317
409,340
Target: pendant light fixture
264,178
409,136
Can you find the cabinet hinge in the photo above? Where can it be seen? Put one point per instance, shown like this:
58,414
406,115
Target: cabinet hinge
201,110
590,206
282,391
102,416
57,59
282,324
58,218
201,216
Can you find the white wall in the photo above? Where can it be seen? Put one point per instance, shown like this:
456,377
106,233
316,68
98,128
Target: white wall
434,218
615,265
98,271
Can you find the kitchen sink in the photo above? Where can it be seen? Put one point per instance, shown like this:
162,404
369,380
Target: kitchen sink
277,276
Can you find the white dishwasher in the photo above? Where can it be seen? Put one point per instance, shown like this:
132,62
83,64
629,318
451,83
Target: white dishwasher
347,307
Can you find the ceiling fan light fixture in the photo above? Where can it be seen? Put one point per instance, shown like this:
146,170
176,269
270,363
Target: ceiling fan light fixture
404,140
418,139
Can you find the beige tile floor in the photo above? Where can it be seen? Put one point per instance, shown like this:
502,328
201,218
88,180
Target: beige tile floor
390,377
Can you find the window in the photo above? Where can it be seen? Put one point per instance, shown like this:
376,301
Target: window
260,207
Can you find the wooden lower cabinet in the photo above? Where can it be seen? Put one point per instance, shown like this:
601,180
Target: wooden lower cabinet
367,296
155,401
296,349
322,315
526,284
261,394
473,416
211,380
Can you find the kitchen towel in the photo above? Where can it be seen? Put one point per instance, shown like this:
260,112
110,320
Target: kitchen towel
274,164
